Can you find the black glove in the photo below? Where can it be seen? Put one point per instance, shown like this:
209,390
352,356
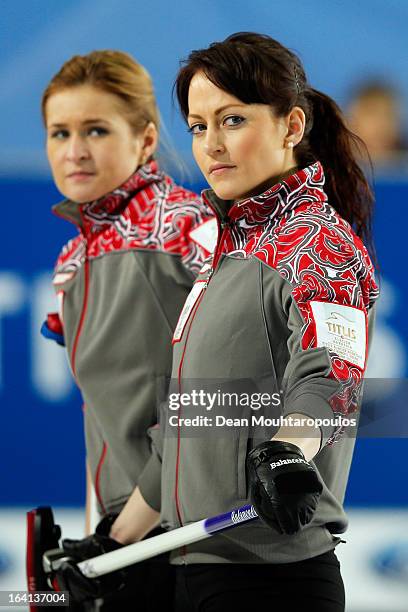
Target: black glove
70,578
96,544
284,487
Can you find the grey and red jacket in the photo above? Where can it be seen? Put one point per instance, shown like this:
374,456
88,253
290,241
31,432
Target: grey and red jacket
285,303
121,284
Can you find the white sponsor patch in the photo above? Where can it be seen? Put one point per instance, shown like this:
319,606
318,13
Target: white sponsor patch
342,329
62,277
187,308
206,235
60,300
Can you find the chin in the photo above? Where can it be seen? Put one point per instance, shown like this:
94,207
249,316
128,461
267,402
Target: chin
78,198
229,190
225,194
81,196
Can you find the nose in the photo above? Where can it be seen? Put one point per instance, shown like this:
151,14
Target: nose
77,148
213,143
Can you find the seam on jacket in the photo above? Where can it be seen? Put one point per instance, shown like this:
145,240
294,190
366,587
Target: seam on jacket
132,250
98,475
155,296
177,498
261,295
122,498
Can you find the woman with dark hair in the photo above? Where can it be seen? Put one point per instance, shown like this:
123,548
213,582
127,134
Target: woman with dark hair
286,302
282,310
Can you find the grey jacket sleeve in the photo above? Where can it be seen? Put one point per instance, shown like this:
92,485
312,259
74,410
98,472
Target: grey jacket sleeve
328,345
307,384
150,478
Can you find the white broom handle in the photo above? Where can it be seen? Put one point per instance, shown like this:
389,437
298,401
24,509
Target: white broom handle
133,553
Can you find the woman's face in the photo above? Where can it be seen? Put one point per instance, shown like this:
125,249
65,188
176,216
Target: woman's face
91,147
242,149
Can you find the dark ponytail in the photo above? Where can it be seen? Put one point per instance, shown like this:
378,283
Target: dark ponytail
335,146
257,69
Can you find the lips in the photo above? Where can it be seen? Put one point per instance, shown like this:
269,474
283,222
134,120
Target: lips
217,169
79,174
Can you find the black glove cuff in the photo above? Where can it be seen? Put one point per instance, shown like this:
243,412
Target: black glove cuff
271,448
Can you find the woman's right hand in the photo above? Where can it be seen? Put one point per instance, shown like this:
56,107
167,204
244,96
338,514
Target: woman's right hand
284,487
69,576
95,544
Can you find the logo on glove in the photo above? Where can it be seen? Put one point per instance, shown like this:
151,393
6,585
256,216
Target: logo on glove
285,462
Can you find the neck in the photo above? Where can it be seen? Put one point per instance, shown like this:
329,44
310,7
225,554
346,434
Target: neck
268,184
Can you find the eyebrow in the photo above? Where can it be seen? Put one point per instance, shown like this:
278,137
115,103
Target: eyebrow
86,122
219,110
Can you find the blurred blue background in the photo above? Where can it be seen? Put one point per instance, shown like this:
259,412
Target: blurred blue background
340,43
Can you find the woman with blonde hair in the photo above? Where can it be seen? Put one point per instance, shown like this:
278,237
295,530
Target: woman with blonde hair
121,281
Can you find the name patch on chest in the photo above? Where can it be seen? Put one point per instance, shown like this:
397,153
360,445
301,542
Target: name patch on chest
60,300
341,329
62,277
189,304
206,235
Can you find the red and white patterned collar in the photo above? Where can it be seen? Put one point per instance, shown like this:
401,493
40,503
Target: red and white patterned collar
275,201
110,206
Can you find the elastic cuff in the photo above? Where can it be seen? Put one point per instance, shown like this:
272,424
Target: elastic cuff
52,335
314,406
150,483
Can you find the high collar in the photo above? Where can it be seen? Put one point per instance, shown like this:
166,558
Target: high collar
272,203
107,208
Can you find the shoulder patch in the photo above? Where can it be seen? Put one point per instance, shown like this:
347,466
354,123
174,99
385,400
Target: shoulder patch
341,329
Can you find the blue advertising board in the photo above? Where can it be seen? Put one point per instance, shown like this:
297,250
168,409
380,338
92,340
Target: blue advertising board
41,417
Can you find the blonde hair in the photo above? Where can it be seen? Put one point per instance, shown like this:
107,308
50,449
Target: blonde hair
115,72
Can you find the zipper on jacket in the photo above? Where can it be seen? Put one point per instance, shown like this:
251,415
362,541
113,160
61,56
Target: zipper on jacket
86,291
82,317
224,224
84,303
176,493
